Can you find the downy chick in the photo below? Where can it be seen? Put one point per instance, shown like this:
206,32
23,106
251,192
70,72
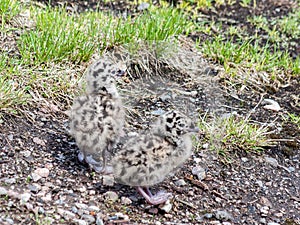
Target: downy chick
148,158
97,118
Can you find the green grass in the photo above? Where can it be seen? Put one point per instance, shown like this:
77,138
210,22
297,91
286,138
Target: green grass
293,118
8,9
230,136
12,90
60,37
249,54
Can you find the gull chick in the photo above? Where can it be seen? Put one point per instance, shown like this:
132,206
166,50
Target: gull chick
97,118
148,158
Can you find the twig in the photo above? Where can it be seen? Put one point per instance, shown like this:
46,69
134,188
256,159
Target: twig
186,203
198,183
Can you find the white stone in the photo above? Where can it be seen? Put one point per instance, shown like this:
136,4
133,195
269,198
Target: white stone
25,197
3,191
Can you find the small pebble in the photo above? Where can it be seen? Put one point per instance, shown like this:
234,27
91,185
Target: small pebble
271,161
81,206
167,206
208,215
180,182
80,222
10,180
88,218
93,208
74,209
3,191
99,221
125,200
273,223
153,210
9,220
199,172
108,180
111,196
264,210
25,197
223,215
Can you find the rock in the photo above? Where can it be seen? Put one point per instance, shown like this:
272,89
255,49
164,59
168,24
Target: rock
35,188
41,210
99,221
180,182
291,169
108,180
25,197
223,215
264,210
81,206
264,201
226,223
26,153
153,210
88,218
47,198
66,214
208,215
259,183
80,222
199,172
82,189
39,141
205,146
263,221
10,180
111,196
13,194
244,159
121,216
93,208
273,223
167,206
271,161
125,200
3,191
74,209
39,173
9,220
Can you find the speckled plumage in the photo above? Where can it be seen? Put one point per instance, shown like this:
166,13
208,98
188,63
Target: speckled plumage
97,118
147,159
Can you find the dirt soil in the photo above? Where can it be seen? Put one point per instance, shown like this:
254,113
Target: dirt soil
42,181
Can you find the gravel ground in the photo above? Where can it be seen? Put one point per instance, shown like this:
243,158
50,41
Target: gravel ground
42,182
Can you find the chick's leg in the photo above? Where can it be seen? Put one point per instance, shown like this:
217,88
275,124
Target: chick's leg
157,199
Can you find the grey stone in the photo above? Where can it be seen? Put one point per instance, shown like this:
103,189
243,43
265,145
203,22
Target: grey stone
93,208
167,206
10,180
3,191
111,195
125,200
81,206
80,222
25,197
108,180
9,220
180,182
199,172
88,218
223,215
271,161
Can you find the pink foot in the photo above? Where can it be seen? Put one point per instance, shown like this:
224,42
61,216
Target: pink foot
157,199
